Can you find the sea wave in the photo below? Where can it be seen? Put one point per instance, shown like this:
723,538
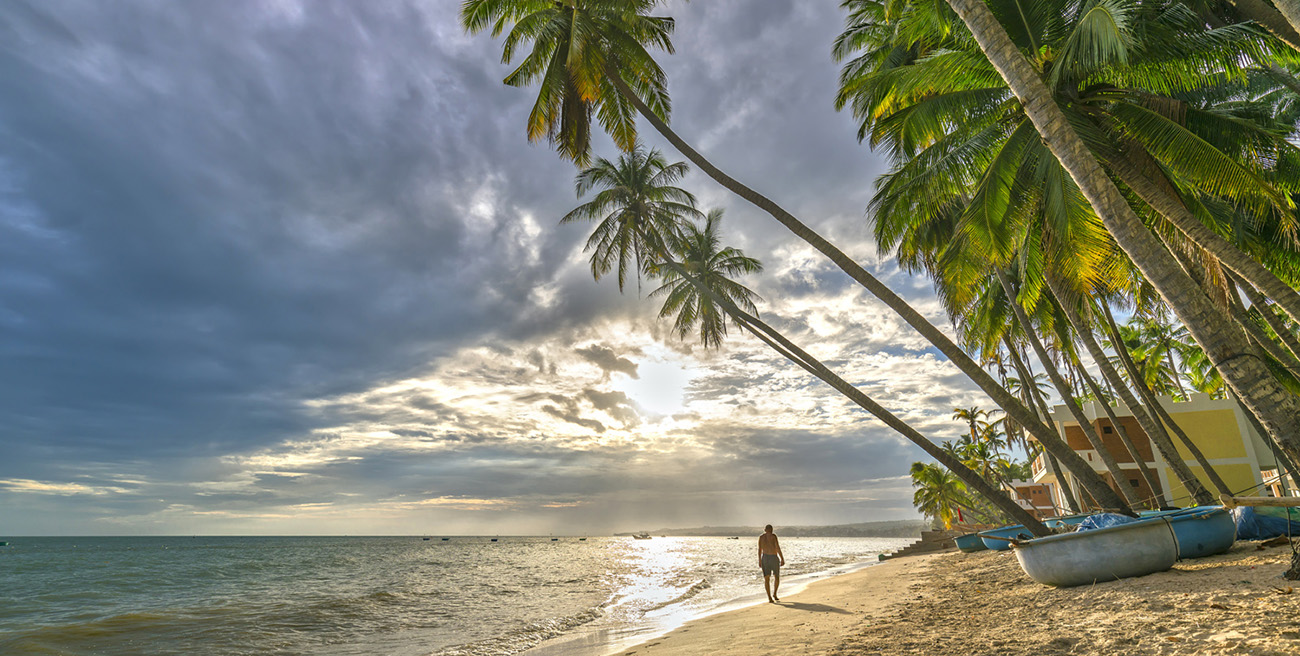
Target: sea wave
524,638
692,591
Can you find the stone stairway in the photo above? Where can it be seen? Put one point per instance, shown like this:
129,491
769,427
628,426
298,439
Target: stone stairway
930,542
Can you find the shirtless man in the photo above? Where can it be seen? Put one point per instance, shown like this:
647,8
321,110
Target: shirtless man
770,559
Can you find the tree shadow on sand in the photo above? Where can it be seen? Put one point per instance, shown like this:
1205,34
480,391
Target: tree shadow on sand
814,608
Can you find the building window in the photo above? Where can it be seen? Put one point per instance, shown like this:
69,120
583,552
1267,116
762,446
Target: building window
1107,429
1133,482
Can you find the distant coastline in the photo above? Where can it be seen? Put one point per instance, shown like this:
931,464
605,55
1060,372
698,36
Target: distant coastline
905,528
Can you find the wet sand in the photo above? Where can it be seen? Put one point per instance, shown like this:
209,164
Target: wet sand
976,604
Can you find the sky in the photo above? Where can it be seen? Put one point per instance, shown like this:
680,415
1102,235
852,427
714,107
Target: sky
292,267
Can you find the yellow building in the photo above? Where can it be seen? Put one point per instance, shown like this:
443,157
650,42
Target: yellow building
1218,428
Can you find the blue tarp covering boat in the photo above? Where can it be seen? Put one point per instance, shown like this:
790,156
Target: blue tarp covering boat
1252,525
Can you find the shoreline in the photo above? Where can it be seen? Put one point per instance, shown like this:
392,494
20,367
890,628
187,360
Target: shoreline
810,619
955,603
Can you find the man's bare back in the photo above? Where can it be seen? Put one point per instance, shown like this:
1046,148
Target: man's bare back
770,559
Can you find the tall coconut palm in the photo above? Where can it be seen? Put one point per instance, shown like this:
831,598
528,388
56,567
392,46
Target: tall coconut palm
972,418
1277,409
686,254
619,56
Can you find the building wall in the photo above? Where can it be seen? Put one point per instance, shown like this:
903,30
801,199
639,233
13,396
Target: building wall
1217,427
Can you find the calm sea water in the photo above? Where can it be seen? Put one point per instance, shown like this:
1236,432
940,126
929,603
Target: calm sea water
381,595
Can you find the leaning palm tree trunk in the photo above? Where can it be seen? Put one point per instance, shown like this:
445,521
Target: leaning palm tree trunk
1284,463
1232,257
1290,9
1031,392
1156,412
1268,18
793,353
1064,389
1277,324
1082,471
1143,470
970,477
1154,430
1277,408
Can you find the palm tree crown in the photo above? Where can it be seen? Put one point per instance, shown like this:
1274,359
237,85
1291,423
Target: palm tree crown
699,254
573,45
638,211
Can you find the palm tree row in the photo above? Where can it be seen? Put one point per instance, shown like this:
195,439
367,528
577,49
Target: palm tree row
1050,159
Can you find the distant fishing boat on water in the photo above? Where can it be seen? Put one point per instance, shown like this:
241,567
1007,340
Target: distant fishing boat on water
641,536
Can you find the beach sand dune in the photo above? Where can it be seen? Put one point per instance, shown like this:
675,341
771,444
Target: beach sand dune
976,604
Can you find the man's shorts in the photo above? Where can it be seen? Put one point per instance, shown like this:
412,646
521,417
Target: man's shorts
771,564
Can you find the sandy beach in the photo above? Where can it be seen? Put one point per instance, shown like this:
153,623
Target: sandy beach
974,604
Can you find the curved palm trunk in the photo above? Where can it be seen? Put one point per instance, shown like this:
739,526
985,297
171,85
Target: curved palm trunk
1160,437
1064,390
1157,494
1277,23
1288,8
813,366
1236,260
793,353
1258,337
1082,471
1085,335
1227,348
1285,464
1154,430
1031,391
1279,327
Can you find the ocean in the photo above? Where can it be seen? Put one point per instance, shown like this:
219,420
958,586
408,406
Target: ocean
399,596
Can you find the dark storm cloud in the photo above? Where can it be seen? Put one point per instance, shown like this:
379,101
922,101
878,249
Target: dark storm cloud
227,227
241,210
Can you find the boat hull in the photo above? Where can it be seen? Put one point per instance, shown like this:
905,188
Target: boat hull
1082,558
989,538
970,543
1202,532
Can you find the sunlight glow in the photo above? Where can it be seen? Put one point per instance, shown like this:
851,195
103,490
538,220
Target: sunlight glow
660,388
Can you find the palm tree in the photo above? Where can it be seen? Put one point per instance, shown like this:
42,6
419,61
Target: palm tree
938,494
614,39
1276,408
686,253
972,417
706,261
638,209
573,44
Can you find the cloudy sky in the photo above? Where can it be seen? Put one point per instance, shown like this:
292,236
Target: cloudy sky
291,266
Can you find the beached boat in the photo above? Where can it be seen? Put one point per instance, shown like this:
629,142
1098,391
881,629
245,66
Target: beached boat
1202,532
970,543
999,539
1084,557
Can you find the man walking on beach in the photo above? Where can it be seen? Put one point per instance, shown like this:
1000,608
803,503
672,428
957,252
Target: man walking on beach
770,559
